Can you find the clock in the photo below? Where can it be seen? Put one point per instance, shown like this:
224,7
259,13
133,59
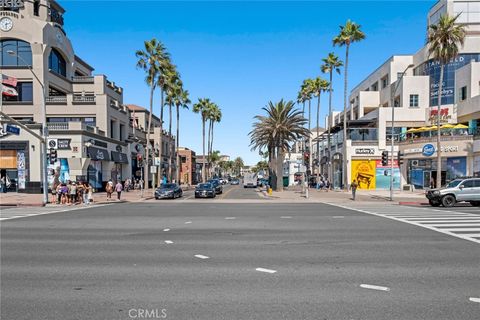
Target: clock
6,24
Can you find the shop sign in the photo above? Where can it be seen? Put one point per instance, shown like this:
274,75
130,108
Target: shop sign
428,150
119,157
63,144
11,4
365,151
99,143
97,154
445,115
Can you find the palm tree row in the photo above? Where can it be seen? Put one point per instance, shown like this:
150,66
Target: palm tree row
162,74
209,111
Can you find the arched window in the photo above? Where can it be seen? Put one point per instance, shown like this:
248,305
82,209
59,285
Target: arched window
56,63
22,50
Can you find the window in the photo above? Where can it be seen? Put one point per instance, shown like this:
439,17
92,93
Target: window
122,128
384,82
25,93
36,8
463,93
396,102
414,101
476,183
52,92
375,87
23,52
112,129
469,11
56,63
468,184
399,75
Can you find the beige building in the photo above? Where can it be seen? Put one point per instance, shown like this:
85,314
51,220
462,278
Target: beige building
414,97
88,123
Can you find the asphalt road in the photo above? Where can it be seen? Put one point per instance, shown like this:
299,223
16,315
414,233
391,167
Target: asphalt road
109,262
230,192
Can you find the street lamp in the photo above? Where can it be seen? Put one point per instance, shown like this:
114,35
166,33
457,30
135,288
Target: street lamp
44,127
393,127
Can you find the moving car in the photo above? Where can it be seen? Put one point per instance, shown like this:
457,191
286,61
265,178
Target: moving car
458,190
250,180
168,191
217,185
205,190
235,182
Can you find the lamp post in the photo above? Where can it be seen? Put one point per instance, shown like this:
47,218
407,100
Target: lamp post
44,129
393,127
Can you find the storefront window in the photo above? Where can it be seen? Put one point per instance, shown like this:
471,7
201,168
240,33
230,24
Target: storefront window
56,63
25,93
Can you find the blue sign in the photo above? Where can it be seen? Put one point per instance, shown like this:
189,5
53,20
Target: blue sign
428,150
13,130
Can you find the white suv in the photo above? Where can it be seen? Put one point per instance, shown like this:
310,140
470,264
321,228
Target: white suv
456,191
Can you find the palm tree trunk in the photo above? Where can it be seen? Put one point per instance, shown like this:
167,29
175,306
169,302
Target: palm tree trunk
209,152
309,141
178,145
318,143
170,162
329,162
344,159
280,158
205,159
273,167
149,126
439,148
211,141
160,141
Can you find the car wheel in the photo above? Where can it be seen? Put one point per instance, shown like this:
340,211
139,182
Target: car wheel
448,201
434,203
475,203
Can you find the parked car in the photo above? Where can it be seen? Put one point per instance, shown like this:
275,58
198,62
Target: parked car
223,181
205,190
235,182
250,180
168,191
217,185
458,190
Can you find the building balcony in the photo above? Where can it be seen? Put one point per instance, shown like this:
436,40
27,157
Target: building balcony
83,79
84,99
56,100
74,126
433,139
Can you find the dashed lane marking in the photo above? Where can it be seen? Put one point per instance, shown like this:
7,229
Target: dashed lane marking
374,287
188,222
200,256
5,217
166,230
230,218
266,270
338,217
285,217
168,241
477,300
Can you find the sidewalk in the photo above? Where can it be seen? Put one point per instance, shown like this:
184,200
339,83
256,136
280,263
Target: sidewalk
14,199
338,196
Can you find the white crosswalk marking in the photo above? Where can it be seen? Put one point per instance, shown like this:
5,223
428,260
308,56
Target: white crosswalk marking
458,224
25,212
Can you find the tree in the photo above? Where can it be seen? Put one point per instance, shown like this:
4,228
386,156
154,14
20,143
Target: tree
203,108
444,40
214,158
173,87
238,164
215,115
349,33
330,64
282,126
181,99
317,86
148,60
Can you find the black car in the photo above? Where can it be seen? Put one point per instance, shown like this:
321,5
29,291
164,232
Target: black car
217,185
205,190
168,191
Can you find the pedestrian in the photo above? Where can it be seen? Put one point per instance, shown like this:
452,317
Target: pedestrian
64,193
3,185
89,191
127,185
432,183
354,186
109,189
59,193
73,193
119,189
54,193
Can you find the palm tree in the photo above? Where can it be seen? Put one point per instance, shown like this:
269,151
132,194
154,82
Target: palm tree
173,84
318,85
306,91
213,160
181,100
214,116
444,40
330,64
148,59
238,164
282,125
203,107
349,33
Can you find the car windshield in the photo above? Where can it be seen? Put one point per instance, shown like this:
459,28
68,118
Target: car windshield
204,186
167,186
214,182
453,183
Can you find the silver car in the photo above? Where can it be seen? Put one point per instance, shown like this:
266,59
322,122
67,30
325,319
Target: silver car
455,191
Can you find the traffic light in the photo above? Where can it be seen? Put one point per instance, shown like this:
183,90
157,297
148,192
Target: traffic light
306,158
400,158
139,160
53,156
384,158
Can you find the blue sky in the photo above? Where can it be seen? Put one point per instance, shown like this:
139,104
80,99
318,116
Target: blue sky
239,54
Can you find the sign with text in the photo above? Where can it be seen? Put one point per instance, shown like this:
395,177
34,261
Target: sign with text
11,4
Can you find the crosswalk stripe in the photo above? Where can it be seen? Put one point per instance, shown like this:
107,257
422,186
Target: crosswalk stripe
455,225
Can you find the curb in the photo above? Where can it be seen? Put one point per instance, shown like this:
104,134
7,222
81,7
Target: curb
22,205
413,203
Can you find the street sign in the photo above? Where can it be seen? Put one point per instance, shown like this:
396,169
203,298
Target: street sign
153,169
13,130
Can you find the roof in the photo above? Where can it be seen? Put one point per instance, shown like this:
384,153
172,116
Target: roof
134,107
86,65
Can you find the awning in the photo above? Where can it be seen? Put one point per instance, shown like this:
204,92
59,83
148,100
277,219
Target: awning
119,157
412,130
97,154
447,126
460,126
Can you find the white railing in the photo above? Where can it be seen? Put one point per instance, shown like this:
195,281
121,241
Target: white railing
56,99
84,98
83,79
57,126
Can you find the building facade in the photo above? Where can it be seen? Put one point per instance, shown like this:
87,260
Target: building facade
409,83
88,123
188,170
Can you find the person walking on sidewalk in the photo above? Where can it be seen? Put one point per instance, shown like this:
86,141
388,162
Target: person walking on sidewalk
109,189
354,187
119,189
73,193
